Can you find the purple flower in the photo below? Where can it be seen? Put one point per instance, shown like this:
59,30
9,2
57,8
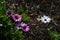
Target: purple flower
9,13
15,4
16,17
17,25
25,27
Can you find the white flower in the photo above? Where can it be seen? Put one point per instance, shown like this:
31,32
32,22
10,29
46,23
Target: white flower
1,25
45,19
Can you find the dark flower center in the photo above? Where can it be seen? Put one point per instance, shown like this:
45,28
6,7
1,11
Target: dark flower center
24,27
16,17
45,20
9,13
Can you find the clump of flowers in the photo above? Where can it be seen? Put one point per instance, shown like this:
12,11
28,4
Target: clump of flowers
22,26
45,19
18,18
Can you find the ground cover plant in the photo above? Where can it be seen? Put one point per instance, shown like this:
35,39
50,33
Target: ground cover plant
29,19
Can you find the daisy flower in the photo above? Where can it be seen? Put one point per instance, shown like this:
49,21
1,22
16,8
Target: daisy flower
16,17
45,19
25,27
9,13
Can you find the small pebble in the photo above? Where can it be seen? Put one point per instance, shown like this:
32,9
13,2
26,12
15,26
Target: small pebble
37,6
38,19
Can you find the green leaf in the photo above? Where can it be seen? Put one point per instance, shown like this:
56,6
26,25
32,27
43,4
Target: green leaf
21,10
17,35
9,22
52,34
25,17
2,0
1,6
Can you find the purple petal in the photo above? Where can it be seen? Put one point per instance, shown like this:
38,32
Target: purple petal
9,13
16,17
25,27
18,26
23,24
